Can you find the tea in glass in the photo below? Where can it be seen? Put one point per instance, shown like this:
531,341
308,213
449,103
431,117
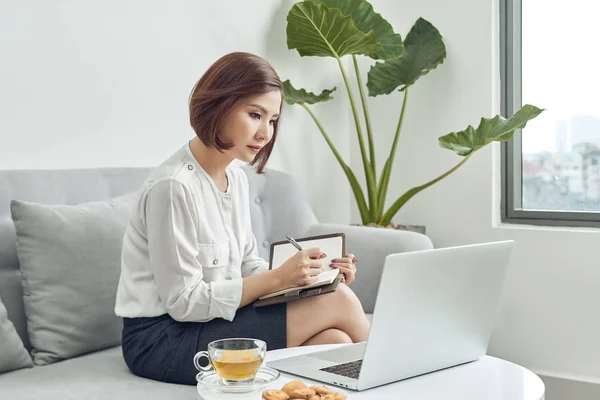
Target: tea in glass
235,360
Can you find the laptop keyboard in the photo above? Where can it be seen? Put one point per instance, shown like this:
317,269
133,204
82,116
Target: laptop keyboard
350,369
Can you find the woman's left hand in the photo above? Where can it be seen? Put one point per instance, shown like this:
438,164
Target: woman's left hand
347,266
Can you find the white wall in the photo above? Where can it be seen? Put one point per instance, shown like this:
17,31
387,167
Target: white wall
549,316
106,83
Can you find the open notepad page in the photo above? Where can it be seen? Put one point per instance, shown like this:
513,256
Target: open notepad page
332,246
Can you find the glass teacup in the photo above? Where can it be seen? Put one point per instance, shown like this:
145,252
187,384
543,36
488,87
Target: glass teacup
235,360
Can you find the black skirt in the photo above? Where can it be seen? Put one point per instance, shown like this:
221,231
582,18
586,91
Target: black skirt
163,349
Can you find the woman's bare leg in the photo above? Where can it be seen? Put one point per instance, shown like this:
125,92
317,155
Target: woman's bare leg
339,310
328,336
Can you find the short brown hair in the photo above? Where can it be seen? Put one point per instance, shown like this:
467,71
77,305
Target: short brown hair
227,82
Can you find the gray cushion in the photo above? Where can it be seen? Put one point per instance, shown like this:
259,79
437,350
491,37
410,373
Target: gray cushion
101,375
70,263
14,356
66,186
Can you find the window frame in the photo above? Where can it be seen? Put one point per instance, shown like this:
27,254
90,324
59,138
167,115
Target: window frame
511,151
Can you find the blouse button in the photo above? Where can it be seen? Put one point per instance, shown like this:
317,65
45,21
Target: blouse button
265,244
215,261
190,167
257,200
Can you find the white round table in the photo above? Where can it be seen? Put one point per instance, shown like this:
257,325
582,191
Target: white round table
489,378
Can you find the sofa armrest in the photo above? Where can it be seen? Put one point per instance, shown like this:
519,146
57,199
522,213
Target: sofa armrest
370,246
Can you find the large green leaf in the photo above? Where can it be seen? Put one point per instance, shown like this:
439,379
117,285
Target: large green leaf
465,143
424,50
489,130
292,95
366,20
317,30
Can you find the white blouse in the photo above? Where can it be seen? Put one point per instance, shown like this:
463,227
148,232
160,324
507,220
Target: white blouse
188,245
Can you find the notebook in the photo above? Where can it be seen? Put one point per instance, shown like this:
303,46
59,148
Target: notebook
334,245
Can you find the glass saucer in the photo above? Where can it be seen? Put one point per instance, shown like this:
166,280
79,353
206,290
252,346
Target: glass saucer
211,381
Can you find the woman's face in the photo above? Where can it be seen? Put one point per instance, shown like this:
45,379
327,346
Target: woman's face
249,127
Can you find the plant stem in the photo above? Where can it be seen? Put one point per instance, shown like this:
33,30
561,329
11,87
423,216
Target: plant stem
371,184
387,170
387,217
356,189
367,118
399,126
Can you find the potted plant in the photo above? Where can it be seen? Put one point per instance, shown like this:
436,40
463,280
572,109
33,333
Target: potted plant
338,28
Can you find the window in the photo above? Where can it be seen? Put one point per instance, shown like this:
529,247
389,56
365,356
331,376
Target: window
549,58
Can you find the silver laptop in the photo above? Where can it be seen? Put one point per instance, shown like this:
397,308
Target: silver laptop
435,309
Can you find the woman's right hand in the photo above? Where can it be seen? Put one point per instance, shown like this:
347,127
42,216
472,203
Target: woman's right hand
302,268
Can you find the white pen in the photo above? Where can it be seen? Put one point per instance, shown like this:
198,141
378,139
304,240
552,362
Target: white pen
293,242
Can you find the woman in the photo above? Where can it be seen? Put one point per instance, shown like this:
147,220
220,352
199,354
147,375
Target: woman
190,265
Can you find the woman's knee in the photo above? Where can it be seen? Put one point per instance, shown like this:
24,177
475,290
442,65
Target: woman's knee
347,296
328,336
338,336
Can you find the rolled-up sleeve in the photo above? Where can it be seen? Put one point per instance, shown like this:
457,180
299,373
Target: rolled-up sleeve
252,264
171,223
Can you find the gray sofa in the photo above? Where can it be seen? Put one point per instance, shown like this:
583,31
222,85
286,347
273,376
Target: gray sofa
57,289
